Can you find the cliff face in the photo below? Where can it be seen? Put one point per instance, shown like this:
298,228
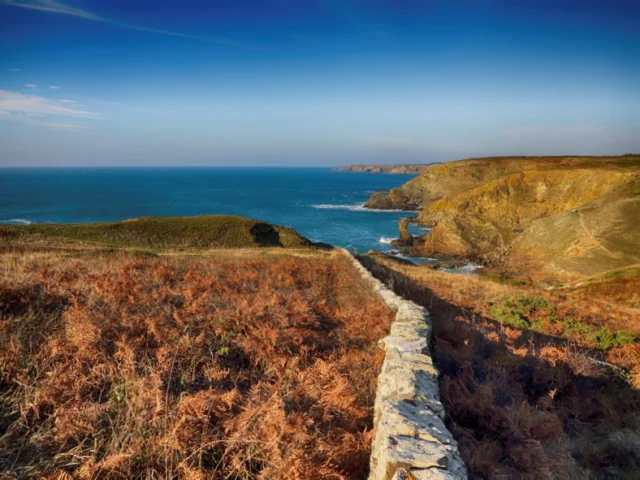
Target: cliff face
564,217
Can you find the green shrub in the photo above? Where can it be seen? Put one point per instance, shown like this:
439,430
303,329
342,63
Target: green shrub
535,313
501,278
519,312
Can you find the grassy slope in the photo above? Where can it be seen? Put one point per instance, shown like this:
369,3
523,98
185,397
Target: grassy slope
521,395
595,238
209,231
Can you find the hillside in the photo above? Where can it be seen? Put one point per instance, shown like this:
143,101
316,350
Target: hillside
439,180
550,218
202,232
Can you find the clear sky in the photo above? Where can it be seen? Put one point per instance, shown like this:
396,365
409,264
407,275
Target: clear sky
315,82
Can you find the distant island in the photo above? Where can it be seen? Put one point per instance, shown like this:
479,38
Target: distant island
391,169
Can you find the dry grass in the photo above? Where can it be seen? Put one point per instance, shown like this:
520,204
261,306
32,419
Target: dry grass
115,365
521,403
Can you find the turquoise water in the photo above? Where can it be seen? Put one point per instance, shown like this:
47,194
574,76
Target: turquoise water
321,204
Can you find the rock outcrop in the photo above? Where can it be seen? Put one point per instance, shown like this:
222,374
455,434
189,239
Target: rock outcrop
410,438
405,238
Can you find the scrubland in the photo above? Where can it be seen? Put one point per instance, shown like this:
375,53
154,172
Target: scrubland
536,383
119,364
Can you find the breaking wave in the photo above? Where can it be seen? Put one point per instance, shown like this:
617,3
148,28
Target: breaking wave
467,269
16,221
359,207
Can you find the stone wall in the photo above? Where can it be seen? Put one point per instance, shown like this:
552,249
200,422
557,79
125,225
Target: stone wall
411,440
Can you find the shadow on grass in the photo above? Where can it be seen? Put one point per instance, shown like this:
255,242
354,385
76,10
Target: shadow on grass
524,404
265,235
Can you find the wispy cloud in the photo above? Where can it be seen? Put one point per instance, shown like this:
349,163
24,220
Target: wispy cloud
20,102
51,6
54,87
42,111
55,6
30,120
14,69
30,85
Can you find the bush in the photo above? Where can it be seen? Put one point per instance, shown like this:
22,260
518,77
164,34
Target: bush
539,315
521,312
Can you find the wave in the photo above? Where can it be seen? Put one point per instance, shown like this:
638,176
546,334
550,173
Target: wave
467,269
17,221
416,260
386,240
358,207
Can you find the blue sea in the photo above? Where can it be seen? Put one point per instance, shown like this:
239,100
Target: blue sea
320,203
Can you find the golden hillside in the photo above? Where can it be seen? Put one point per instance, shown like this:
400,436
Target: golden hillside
547,217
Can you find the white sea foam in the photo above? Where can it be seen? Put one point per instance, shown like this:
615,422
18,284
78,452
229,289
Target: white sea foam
467,269
386,240
416,260
359,207
16,221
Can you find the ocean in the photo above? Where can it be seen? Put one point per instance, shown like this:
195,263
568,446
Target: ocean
320,203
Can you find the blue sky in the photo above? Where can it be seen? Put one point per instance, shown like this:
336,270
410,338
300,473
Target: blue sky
315,82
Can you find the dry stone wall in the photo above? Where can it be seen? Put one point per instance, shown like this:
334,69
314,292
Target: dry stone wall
411,441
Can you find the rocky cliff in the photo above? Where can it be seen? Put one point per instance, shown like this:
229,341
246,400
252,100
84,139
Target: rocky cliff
556,217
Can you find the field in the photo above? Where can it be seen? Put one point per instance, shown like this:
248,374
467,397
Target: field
235,365
523,370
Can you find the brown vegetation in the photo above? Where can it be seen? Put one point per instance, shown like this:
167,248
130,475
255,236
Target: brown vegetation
524,392
120,365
